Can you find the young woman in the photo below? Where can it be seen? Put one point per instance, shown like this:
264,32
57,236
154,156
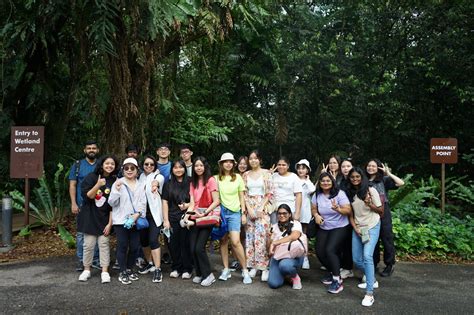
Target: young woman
286,230
346,254
95,218
367,209
153,182
243,165
231,194
382,179
257,197
303,170
333,168
331,209
204,196
128,201
286,189
176,201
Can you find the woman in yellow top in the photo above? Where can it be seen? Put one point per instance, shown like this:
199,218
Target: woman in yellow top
231,192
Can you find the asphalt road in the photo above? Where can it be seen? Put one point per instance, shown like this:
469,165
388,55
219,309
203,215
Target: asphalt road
50,287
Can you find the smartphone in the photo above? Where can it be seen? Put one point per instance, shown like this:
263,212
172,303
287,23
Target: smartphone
365,236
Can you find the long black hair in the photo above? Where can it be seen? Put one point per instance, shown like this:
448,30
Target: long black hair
361,190
179,191
288,225
334,189
205,176
99,170
379,175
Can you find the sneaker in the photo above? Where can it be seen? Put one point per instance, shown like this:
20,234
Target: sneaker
225,275
146,269
105,277
209,280
296,280
252,273
234,265
85,275
335,287
124,278
140,262
116,266
265,274
363,285
326,279
305,263
79,266
186,275
247,279
166,259
368,300
132,275
174,274
96,265
197,279
157,275
387,272
346,273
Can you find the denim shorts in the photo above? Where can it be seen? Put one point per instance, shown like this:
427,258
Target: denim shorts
233,219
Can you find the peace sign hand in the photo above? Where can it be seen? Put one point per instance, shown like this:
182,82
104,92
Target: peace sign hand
385,169
334,205
325,168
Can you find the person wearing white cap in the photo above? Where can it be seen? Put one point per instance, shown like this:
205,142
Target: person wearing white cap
231,193
128,201
303,170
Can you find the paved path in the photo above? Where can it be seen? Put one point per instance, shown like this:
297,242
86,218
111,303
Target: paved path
51,286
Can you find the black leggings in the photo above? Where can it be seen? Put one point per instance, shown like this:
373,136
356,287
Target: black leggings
149,237
329,246
386,238
127,239
199,237
179,248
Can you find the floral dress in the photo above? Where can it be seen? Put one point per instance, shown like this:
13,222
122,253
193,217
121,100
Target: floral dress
257,232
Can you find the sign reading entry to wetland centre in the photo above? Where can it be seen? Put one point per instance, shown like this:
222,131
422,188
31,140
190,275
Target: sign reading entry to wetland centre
26,155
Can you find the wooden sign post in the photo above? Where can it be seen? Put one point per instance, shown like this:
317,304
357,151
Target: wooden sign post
443,151
26,158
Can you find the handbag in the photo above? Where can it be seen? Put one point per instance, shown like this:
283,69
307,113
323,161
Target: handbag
293,249
213,218
140,223
218,232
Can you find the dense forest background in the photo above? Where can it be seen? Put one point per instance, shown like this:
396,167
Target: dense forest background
299,78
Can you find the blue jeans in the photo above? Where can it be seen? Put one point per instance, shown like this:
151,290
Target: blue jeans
80,247
279,269
363,254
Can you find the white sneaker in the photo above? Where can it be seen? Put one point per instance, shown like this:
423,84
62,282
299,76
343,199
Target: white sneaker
197,279
363,285
247,279
346,273
225,275
186,275
265,274
208,281
174,274
85,275
305,263
105,277
368,300
252,273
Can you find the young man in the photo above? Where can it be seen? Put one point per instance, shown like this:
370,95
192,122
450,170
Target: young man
186,155
163,152
79,170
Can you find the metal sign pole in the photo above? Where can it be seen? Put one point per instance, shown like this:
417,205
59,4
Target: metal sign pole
27,201
443,192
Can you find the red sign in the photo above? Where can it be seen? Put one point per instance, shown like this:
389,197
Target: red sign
444,150
26,155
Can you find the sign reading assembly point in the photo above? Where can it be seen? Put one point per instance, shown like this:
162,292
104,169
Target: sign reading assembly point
444,150
26,155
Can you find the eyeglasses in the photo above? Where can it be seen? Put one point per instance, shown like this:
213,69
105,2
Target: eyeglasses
149,164
129,168
283,213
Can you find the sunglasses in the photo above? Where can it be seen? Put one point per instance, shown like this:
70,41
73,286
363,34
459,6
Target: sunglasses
149,164
129,168
283,213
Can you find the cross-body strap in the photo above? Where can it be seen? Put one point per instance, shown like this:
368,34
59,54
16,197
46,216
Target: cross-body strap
131,200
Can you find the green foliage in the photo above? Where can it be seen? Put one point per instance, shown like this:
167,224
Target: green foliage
48,206
67,238
25,231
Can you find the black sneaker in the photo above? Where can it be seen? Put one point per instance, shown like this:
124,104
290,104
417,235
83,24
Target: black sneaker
166,259
235,265
327,279
146,269
387,272
96,265
132,275
116,265
79,266
157,276
124,278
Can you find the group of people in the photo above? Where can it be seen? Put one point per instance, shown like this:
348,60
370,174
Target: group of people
264,211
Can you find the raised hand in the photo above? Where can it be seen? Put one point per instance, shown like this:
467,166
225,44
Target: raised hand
334,205
118,184
100,181
385,169
325,168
